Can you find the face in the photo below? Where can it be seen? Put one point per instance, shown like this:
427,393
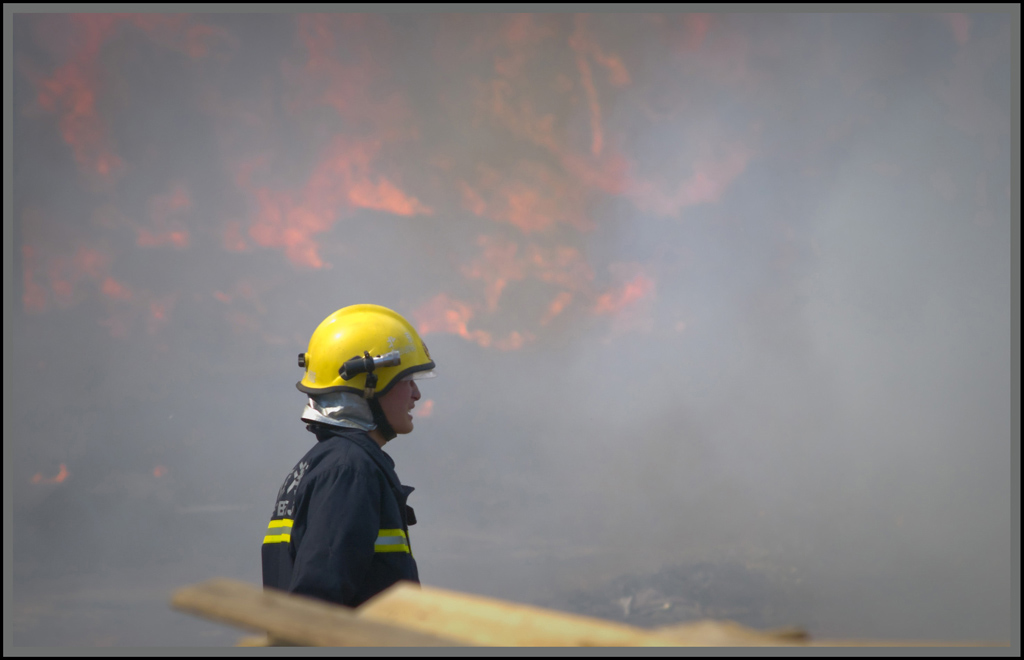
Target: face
398,404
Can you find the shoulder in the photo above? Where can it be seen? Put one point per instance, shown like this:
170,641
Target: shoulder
340,459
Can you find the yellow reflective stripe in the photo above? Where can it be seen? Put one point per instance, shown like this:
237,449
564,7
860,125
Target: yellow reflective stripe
277,538
388,540
391,540
279,531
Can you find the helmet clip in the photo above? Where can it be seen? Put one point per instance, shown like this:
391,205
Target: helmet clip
366,364
357,365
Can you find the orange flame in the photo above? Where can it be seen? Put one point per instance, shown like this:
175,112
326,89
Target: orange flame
71,90
351,84
495,267
147,238
615,300
115,290
159,312
563,266
556,306
707,184
63,274
161,206
38,478
279,224
63,289
384,196
424,408
500,264
471,200
34,294
584,46
443,314
291,221
66,277
57,277
514,340
597,134
695,28
159,471
167,228
507,99
92,262
607,173
516,43
583,42
532,197
600,166
960,25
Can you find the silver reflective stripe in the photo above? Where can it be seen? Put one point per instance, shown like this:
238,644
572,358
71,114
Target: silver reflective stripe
390,540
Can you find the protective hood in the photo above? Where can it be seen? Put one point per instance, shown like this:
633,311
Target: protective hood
346,409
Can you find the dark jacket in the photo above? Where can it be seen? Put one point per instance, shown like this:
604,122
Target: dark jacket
340,526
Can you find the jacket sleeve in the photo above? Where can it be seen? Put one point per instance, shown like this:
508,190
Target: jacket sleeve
342,524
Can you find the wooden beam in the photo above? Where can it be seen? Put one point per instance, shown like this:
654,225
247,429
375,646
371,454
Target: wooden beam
408,614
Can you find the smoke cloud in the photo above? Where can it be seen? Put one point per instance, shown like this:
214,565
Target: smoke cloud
700,287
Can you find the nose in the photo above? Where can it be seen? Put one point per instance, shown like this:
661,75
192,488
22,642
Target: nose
415,391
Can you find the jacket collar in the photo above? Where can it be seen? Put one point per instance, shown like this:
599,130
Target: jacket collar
366,443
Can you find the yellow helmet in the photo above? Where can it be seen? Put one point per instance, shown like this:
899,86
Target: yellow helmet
363,349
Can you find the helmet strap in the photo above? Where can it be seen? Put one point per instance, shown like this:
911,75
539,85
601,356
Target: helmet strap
383,425
371,376
370,394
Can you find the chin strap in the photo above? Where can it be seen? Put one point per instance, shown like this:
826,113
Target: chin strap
381,420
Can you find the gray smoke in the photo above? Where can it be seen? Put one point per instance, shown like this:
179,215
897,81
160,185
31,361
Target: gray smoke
781,242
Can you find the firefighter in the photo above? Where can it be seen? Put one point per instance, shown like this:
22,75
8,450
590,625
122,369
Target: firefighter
340,526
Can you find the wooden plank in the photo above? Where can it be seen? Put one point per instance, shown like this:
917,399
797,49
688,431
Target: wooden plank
410,615
295,620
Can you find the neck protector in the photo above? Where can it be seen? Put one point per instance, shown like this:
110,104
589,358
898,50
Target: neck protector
341,409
